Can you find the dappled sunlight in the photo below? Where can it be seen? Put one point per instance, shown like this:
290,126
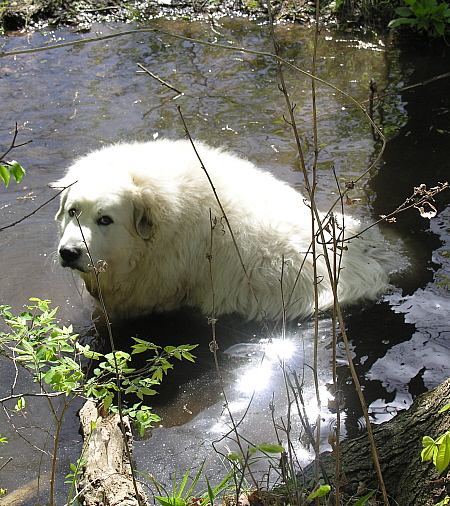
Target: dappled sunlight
274,352
256,378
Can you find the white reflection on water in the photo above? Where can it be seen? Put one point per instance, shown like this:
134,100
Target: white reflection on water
266,356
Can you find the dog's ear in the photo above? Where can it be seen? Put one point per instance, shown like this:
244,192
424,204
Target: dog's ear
62,184
62,204
142,221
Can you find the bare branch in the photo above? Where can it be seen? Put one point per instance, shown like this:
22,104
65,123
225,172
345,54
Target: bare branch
159,79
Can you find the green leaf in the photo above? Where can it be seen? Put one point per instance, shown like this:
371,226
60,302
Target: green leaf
142,416
171,501
189,356
270,448
16,170
402,21
445,408
320,492
443,454
27,347
404,12
364,499
234,456
4,175
93,355
20,404
147,391
107,400
429,448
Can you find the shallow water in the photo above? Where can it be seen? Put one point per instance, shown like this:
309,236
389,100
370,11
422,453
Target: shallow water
70,100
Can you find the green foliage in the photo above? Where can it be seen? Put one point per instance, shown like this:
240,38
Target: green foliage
76,474
55,359
264,448
11,169
426,16
319,492
364,499
76,471
439,450
178,496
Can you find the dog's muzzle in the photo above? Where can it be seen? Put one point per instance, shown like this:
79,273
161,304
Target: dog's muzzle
70,255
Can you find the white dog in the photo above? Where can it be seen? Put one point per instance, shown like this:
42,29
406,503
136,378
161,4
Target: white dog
149,212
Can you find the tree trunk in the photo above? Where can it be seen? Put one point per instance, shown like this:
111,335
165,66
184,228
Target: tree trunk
107,477
408,480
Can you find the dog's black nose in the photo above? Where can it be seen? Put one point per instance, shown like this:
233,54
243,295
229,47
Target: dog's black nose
70,253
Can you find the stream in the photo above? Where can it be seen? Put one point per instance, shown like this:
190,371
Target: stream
74,99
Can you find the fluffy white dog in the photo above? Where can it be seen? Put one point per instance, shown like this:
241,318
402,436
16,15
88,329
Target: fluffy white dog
149,212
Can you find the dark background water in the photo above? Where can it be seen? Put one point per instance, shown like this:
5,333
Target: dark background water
71,100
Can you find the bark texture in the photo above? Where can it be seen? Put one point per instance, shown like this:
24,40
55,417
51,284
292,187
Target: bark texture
408,480
107,478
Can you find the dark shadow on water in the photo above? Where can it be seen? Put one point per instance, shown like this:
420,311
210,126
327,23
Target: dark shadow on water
185,326
419,153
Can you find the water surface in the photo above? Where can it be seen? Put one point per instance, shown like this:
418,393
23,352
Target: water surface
74,99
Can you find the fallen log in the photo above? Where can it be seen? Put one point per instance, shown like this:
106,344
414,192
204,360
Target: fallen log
107,475
408,480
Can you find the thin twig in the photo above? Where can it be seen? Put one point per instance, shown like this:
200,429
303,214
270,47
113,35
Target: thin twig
116,365
13,144
225,217
26,394
213,344
159,79
7,462
35,210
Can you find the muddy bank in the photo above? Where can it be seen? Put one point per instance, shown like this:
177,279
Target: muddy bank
38,14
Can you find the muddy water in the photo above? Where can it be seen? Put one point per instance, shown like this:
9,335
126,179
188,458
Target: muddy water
73,99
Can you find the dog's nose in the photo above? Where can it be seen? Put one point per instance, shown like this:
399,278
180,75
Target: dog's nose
70,253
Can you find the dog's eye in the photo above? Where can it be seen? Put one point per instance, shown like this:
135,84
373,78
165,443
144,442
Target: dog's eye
72,212
105,220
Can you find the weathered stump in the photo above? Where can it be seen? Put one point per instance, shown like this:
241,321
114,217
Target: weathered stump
107,476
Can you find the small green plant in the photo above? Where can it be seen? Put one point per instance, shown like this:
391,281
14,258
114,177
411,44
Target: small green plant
439,450
264,448
56,361
73,477
55,358
426,16
178,496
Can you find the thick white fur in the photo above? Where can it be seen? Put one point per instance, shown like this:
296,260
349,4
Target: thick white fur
159,242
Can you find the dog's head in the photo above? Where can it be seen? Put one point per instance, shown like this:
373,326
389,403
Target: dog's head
101,223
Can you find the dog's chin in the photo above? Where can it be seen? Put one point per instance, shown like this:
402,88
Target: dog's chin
74,267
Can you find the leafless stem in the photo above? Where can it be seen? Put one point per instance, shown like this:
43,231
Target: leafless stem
116,365
164,83
224,215
13,144
34,211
